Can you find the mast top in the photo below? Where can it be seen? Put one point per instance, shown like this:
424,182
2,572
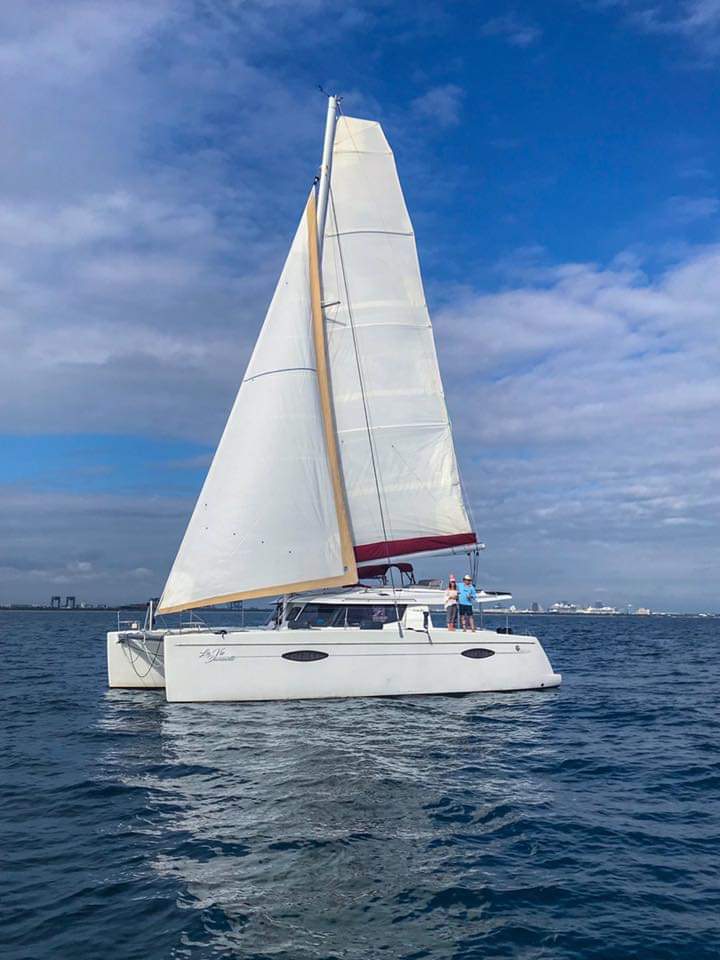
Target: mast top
326,168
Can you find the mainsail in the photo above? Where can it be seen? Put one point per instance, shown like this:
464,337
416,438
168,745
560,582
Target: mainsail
398,460
271,518
338,448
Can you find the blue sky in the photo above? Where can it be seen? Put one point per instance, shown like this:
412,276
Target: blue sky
560,162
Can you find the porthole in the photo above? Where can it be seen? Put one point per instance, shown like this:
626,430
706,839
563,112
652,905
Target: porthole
304,656
478,653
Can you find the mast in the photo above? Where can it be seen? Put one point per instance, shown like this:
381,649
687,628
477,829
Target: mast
326,169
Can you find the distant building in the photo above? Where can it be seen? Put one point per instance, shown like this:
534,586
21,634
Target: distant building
643,611
535,607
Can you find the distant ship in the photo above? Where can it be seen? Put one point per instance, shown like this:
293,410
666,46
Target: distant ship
563,607
337,461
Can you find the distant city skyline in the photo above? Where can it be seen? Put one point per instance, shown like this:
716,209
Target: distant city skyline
560,164
70,602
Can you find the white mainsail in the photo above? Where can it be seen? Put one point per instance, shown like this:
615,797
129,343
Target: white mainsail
271,516
392,422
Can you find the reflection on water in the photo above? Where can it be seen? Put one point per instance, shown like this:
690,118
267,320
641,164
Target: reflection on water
566,824
313,826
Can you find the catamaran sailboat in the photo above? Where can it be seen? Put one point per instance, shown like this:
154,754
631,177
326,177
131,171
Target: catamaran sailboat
336,464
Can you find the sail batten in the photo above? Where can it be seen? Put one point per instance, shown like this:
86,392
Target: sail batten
269,373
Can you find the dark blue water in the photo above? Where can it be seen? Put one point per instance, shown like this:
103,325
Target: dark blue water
579,823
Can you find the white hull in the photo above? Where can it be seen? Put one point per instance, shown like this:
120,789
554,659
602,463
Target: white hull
251,664
136,661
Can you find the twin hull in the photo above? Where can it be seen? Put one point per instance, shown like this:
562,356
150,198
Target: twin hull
292,665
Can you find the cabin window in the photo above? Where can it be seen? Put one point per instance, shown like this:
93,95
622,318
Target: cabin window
366,616
313,615
370,616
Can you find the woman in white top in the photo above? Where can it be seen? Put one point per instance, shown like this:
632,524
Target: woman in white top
451,602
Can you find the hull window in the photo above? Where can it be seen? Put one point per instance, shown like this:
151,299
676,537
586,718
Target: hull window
478,653
304,656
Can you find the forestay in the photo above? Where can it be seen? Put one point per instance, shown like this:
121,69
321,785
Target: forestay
268,519
390,410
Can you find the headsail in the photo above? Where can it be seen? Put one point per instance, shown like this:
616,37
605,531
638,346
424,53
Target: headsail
271,516
390,411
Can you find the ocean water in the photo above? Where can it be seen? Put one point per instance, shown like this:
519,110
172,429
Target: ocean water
577,823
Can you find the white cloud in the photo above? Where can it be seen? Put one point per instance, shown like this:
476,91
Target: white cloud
696,21
512,28
61,41
686,209
441,105
135,257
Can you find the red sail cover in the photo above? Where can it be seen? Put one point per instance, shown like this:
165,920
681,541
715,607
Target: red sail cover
402,548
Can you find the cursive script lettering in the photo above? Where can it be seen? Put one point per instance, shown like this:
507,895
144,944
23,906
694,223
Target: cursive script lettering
213,654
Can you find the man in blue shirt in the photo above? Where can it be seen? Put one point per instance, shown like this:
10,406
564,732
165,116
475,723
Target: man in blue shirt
466,594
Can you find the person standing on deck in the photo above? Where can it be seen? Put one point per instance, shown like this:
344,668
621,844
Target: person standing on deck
451,602
466,595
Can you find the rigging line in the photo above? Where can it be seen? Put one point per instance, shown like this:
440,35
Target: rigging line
466,501
151,660
475,561
366,411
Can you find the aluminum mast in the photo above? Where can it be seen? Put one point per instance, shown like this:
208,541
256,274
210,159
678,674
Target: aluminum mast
326,170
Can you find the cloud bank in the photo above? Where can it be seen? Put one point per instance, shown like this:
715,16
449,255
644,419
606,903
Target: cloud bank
157,157
594,400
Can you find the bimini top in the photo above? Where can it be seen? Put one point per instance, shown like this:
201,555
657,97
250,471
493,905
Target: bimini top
420,596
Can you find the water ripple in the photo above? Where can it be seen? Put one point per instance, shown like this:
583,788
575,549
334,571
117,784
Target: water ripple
579,823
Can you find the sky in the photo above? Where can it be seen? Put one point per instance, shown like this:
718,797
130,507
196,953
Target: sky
560,162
